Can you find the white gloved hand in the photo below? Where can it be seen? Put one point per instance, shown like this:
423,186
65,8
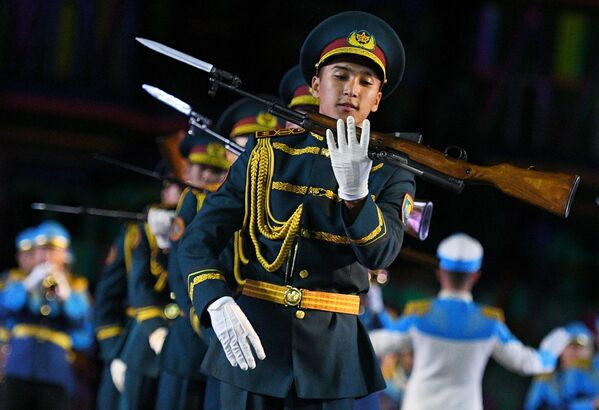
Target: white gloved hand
63,289
375,299
118,368
556,341
157,338
160,221
37,275
349,158
234,331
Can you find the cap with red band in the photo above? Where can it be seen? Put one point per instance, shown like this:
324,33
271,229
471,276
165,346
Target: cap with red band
246,116
355,33
294,91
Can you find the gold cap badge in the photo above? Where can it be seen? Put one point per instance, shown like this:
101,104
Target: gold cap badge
362,39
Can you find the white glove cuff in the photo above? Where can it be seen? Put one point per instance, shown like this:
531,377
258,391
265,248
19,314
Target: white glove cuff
220,302
354,194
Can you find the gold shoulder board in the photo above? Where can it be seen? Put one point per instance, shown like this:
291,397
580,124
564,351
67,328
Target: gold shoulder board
417,307
493,313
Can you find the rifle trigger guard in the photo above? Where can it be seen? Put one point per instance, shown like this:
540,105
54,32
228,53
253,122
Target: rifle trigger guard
456,152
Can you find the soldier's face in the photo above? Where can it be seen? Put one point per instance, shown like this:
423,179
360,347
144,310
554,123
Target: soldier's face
170,193
240,140
347,88
204,175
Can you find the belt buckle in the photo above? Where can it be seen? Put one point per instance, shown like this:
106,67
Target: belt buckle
172,311
292,296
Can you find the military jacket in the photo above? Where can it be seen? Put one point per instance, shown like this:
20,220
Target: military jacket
148,294
184,348
111,318
284,185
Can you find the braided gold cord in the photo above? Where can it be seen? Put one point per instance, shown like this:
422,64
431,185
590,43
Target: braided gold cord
261,170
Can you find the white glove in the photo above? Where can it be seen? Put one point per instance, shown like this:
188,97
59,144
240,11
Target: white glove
118,368
160,221
63,289
375,299
556,341
349,159
157,338
234,330
37,275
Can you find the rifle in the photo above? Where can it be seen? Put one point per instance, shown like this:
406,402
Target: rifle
417,224
552,191
81,210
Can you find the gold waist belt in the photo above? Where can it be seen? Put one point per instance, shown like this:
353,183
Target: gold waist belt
302,298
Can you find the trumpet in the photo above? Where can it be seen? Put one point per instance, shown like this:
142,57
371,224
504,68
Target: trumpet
419,220
48,290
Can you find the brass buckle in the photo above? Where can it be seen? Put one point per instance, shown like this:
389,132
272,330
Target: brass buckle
292,296
172,311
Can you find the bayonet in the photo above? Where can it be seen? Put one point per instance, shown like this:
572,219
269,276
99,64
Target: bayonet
196,119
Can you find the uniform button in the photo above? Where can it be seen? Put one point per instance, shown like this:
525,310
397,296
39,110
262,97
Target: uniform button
300,314
304,274
172,295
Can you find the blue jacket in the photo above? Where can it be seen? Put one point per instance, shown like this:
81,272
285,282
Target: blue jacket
41,345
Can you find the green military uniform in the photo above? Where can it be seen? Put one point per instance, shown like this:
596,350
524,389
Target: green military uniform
181,383
305,259
112,315
149,295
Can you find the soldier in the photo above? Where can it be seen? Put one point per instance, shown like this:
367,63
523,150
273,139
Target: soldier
453,337
296,93
112,316
150,296
181,384
243,119
49,313
314,218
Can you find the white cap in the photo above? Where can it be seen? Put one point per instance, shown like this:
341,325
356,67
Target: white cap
460,253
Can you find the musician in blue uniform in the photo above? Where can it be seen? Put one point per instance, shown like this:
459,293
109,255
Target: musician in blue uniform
181,384
25,262
48,319
150,296
314,214
112,316
572,386
453,337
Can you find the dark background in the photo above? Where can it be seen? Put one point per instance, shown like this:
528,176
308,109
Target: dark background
509,81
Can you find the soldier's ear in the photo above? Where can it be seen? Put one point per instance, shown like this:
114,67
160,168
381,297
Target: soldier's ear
316,86
377,101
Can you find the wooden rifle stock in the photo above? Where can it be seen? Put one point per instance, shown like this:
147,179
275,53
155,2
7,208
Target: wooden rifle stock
552,191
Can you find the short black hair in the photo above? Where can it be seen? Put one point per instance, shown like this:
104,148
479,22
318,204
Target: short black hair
457,279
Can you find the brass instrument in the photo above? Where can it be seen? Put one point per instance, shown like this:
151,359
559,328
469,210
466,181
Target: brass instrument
48,290
420,220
